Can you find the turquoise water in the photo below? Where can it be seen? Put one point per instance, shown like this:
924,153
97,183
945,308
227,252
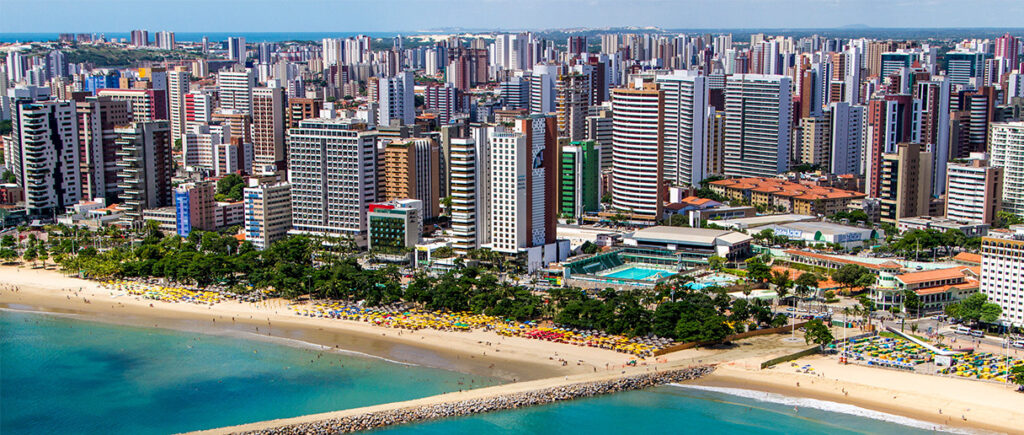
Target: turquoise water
671,410
64,375
639,273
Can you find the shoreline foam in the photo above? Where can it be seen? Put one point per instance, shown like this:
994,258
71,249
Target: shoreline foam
825,405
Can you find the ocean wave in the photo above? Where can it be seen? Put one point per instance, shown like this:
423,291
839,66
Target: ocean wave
294,342
824,405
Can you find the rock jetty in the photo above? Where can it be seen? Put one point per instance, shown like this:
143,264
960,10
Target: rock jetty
372,420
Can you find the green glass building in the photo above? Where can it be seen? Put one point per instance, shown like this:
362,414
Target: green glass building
579,187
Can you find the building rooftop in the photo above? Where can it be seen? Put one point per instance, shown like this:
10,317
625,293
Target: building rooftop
759,221
967,257
824,227
697,236
931,275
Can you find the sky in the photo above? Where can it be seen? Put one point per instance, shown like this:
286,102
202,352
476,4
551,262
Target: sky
29,16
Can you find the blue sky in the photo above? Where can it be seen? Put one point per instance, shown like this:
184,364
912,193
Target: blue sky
409,15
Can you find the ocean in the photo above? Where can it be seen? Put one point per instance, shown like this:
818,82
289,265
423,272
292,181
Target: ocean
62,374
250,37
679,409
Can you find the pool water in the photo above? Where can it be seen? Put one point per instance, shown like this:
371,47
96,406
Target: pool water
640,273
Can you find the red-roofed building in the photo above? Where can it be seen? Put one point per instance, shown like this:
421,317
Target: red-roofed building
935,288
802,197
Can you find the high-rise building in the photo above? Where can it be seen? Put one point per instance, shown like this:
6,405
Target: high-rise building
236,49
48,157
442,100
144,167
906,183
165,40
892,119
470,194
198,109
302,108
410,169
268,113
140,38
572,97
1002,272
758,119
97,119
523,185
974,190
715,165
396,99
815,142
599,130
515,93
1007,145
1008,48
235,89
194,207
965,68
686,119
637,147
847,123
579,173
332,170
268,212
147,104
542,88
199,147
177,87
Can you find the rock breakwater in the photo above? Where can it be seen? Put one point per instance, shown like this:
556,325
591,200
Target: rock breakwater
456,408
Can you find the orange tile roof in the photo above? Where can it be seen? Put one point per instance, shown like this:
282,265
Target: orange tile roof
931,275
945,288
967,257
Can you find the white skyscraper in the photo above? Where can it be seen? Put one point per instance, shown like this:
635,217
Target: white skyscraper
637,143
469,185
1007,145
177,87
758,118
542,88
397,99
332,50
333,177
685,147
235,88
510,164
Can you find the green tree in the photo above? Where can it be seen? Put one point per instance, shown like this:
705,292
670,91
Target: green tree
229,188
716,263
818,333
1017,376
780,278
850,275
805,282
757,270
1004,219
589,247
911,302
7,255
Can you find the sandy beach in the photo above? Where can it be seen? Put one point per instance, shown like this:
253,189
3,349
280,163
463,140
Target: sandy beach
476,352
963,403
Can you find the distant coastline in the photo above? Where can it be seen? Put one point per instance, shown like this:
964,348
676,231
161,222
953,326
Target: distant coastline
738,33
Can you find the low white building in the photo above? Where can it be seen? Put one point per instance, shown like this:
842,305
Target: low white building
825,232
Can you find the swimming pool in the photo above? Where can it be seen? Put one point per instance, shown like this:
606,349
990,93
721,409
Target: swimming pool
639,273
